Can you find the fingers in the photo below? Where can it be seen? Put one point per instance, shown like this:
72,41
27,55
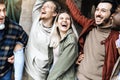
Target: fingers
80,58
11,59
77,62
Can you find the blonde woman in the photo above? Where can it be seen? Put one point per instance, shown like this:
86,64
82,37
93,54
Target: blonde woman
65,49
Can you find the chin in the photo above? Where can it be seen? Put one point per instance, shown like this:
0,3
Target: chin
99,25
1,23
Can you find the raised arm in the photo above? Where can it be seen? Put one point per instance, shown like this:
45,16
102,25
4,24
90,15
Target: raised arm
76,14
36,9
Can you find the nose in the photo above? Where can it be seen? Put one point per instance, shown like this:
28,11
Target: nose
2,13
42,7
98,12
64,19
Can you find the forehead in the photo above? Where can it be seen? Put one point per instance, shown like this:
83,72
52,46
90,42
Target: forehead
2,6
64,14
104,5
50,3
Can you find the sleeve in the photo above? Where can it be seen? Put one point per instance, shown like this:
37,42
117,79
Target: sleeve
65,61
18,63
36,9
76,14
119,75
22,37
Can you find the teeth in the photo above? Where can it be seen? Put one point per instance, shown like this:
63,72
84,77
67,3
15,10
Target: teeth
98,18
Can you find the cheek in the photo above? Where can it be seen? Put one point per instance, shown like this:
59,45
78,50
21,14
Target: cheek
106,15
69,24
96,13
58,23
4,13
48,11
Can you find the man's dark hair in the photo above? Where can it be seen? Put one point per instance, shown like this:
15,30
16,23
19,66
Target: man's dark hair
113,2
2,2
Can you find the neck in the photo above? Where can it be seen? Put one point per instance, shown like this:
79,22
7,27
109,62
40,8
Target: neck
47,23
62,34
105,26
105,30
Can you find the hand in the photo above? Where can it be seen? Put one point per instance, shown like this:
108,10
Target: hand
80,58
11,59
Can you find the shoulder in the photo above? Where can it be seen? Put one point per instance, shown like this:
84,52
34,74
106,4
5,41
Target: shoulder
10,24
15,25
13,28
70,38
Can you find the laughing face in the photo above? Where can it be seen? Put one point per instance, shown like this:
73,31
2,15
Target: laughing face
116,21
2,13
64,22
102,14
48,10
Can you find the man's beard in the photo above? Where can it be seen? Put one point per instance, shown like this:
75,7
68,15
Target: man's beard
106,21
2,26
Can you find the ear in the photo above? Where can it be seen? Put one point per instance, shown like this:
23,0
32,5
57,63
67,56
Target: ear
54,14
111,20
112,16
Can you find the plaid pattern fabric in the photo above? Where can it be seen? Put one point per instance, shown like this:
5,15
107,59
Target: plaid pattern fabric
9,36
